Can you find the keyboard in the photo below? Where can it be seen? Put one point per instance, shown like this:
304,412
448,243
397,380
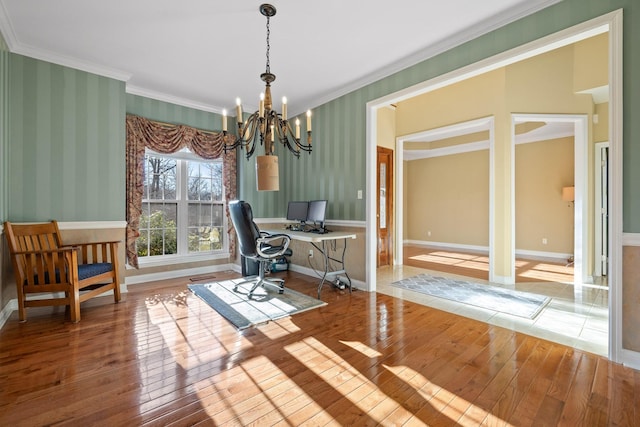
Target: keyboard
318,231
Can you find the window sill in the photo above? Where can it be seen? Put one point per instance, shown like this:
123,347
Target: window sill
179,259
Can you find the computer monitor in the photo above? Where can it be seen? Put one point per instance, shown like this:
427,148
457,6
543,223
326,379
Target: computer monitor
297,211
317,211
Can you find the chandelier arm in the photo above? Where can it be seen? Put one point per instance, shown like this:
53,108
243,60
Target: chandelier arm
266,125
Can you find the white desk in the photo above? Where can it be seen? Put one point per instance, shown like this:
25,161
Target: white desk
319,241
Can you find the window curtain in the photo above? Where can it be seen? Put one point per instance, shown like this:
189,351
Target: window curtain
165,138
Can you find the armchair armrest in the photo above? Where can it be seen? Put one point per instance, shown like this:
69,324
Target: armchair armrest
44,251
266,242
95,252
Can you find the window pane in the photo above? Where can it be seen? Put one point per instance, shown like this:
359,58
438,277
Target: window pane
142,244
170,241
205,189
160,177
205,238
162,220
218,215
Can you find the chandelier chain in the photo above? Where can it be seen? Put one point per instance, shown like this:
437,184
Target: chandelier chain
268,46
266,127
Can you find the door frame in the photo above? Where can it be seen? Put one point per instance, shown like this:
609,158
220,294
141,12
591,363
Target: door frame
611,22
581,183
599,244
391,190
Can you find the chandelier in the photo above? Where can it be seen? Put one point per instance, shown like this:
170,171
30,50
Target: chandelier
266,126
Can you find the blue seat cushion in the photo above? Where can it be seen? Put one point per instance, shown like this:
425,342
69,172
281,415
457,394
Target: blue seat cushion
89,270
84,272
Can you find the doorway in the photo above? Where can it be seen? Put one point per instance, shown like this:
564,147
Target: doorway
611,22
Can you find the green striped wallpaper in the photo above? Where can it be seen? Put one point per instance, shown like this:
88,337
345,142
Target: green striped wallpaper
4,127
336,169
67,126
66,149
171,113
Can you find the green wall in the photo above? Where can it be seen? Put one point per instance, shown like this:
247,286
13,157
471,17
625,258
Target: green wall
66,149
4,126
66,130
171,113
339,126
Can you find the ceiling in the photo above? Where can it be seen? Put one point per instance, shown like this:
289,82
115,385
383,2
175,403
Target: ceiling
205,53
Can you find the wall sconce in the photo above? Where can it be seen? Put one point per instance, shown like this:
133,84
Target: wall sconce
569,194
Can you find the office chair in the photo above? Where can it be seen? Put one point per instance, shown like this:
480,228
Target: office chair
256,245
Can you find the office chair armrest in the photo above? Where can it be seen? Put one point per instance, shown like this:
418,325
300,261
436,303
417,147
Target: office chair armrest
268,239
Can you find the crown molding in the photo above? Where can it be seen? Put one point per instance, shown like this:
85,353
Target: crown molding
165,97
497,21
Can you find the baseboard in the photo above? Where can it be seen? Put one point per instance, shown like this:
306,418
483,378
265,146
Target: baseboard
164,275
503,280
356,284
9,308
453,246
631,359
520,253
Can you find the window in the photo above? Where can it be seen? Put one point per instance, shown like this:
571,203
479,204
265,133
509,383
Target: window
183,206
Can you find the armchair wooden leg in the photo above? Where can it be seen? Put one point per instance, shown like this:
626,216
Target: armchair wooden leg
74,306
22,311
116,291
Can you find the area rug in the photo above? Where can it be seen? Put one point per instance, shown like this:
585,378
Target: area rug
266,303
516,303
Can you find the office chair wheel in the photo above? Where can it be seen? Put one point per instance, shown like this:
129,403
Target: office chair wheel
281,291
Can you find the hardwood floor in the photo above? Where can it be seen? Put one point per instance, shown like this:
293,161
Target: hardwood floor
163,357
477,265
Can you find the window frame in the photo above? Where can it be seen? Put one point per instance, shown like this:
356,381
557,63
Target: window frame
182,230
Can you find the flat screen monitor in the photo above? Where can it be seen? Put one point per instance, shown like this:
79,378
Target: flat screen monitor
317,210
297,211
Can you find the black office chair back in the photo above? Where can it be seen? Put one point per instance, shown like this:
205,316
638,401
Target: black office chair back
246,230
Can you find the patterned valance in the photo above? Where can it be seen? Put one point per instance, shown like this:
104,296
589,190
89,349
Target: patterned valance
167,138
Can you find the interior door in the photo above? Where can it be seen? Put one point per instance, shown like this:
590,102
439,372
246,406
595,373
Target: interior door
385,206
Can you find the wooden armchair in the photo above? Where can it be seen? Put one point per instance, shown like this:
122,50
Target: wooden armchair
42,265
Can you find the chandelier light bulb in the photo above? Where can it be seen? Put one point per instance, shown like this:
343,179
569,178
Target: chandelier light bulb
224,120
284,108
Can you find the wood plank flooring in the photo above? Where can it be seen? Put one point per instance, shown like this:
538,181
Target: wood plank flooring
476,265
161,357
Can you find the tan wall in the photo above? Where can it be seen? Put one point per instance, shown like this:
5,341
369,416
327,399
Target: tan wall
70,237
449,197
590,71
630,297
542,169
601,129
132,272
354,255
7,284
386,128
541,85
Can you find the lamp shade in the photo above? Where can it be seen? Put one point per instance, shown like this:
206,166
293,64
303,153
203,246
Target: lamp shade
267,175
568,194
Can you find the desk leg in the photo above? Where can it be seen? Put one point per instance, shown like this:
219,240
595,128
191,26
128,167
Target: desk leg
325,253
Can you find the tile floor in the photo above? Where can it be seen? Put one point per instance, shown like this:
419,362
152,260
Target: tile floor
574,317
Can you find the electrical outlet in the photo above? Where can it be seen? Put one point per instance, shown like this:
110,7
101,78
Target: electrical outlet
310,253
429,233
544,240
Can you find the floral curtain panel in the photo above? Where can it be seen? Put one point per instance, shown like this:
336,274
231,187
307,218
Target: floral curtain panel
164,138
